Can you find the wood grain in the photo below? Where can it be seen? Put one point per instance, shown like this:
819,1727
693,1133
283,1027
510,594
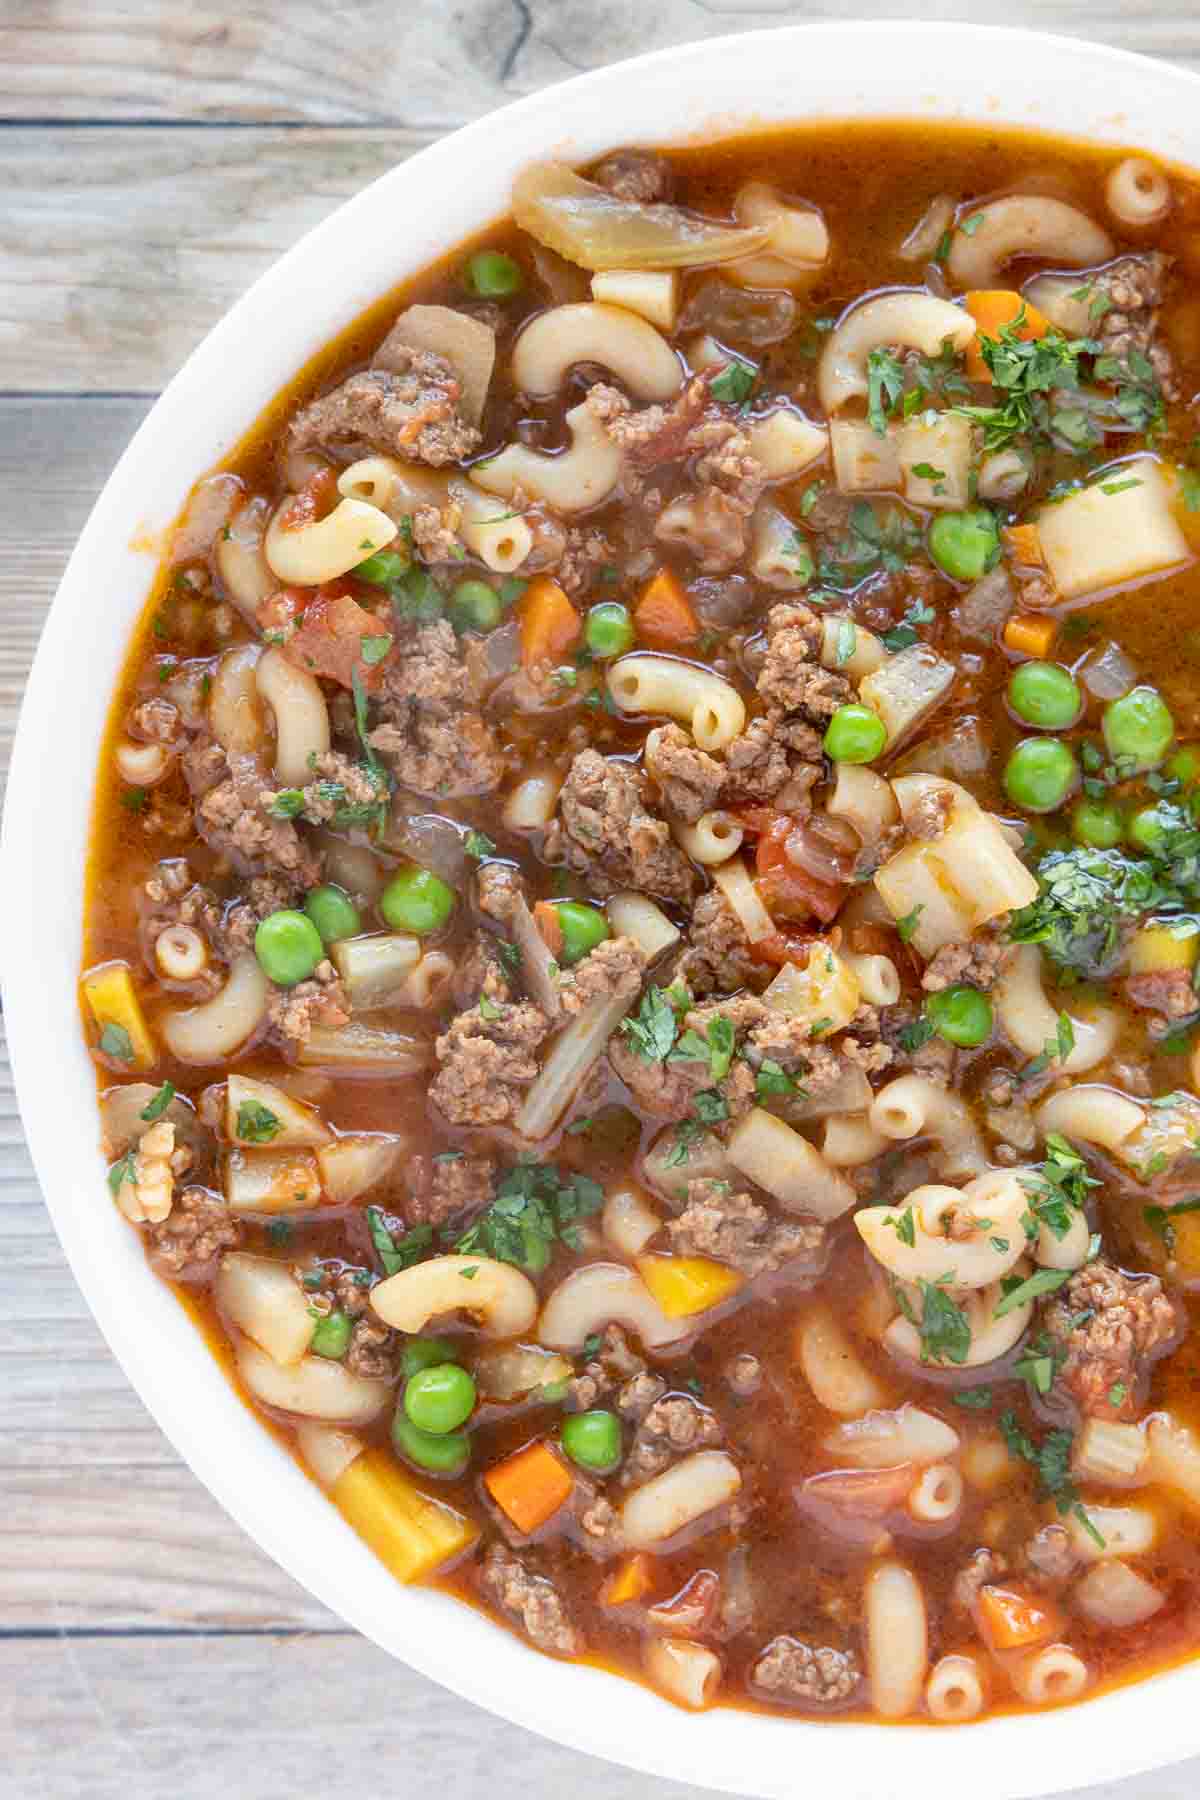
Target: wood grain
423,65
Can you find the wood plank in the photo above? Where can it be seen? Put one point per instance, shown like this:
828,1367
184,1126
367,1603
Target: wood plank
423,65
121,248
115,1719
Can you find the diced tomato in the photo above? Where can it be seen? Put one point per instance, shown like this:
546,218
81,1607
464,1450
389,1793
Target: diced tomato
310,502
328,638
789,890
783,947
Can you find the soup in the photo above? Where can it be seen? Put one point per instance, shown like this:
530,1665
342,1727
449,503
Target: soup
643,921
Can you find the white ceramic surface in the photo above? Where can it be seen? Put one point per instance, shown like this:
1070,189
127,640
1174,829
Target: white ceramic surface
829,71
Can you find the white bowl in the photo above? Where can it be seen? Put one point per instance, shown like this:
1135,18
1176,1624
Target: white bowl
934,71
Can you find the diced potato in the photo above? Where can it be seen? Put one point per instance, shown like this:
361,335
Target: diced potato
652,293
824,993
863,462
363,1049
270,1116
1121,528
112,1001
271,1181
1158,947
908,687
375,968
354,1165
327,1449
941,445
683,1285
263,1298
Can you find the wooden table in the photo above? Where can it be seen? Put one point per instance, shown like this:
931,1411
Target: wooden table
155,156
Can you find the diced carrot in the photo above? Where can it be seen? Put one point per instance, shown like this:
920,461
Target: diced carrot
545,917
1009,1620
1030,634
992,309
663,615
550,626
631,1581
1024,545
529,1486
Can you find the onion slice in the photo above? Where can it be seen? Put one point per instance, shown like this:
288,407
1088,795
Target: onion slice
594,228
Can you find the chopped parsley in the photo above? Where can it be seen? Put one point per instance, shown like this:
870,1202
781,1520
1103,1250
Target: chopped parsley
478,845
770,1079
944,1327
651,1031
374,649
1025,372
905,1227
121,1171
256,1123
397,1254
1159,1218
906,927
158,1104
973,1399
885,385
883,538
686,1133
735,382
536,1205
288,803
1059,1187
912,1037
1043,1281
710,1107
115,1041
1056,1049
904,635
488,1009
1051,1459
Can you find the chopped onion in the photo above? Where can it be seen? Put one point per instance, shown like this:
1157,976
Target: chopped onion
594,228
823,847
921,244
207,512
1107,673
434,842
537,964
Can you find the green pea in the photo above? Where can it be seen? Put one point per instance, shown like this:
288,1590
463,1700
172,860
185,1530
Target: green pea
1184,766
593,1440
494,276
962,1015
333,913
1043,694
416,900
855,734
1097,823
382,569
443,1453
1138,728
332,1335
288,947
1040,774
426,1353
609,629
440,1398
1149,828
965,545
474,606
582,927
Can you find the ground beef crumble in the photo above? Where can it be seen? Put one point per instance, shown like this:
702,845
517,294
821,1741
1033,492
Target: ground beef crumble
321,1000
1134,286
531,1601
613,970
431,733
732,1228
231,817
486,1064
613,1363
410,410
821,1678
198,1228
791,677
717,957
604,832
671,1427
448,1185
1113,1328
974,961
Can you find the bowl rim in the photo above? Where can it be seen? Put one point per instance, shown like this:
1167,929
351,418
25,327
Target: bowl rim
854,69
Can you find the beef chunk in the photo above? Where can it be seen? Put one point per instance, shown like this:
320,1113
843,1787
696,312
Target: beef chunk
410,410
186,1244
319,1001
775,762
734,1229
432,734
975,961
481,972
613,970
1168,992
666,1090
531,1601
641,176
232,818
604,832
614,1362
718,958
657,434
672,1427
1113,1328
822,1679
584,551
486,1064
689,780
791,677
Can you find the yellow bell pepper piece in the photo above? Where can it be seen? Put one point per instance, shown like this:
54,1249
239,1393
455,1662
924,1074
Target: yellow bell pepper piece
109,992
683,1285
409,1532
1155,948
1185,1253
